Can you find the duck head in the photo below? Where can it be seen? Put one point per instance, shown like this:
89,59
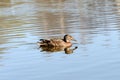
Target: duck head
68,38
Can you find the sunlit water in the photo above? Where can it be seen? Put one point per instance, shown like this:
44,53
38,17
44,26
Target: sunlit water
95,24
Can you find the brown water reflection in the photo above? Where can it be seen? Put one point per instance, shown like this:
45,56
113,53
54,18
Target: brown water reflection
67,50
94,23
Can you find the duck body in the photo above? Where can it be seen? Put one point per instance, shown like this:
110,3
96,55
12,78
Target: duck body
55,42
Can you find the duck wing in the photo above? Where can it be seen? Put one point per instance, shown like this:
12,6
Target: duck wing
52,42
56,42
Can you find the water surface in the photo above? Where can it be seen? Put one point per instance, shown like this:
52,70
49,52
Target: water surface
93,23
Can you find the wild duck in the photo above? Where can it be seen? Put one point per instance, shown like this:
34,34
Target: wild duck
65,42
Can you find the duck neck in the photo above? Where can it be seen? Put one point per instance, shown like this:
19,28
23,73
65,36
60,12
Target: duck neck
66,40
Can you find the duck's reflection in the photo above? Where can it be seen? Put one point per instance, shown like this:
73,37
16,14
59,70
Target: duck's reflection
67,50
70,50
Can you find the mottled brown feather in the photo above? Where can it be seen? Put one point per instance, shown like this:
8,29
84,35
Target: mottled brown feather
65,42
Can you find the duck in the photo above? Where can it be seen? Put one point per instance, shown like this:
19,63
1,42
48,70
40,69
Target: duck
56,42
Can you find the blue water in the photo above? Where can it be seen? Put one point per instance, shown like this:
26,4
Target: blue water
93,23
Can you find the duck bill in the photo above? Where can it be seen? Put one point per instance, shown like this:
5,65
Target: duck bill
74,40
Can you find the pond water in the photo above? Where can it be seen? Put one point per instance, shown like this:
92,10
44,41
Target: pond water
95,24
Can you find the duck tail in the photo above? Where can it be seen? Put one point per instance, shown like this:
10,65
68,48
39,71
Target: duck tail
43,42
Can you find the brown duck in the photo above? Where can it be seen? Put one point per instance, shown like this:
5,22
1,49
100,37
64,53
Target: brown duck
65,42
